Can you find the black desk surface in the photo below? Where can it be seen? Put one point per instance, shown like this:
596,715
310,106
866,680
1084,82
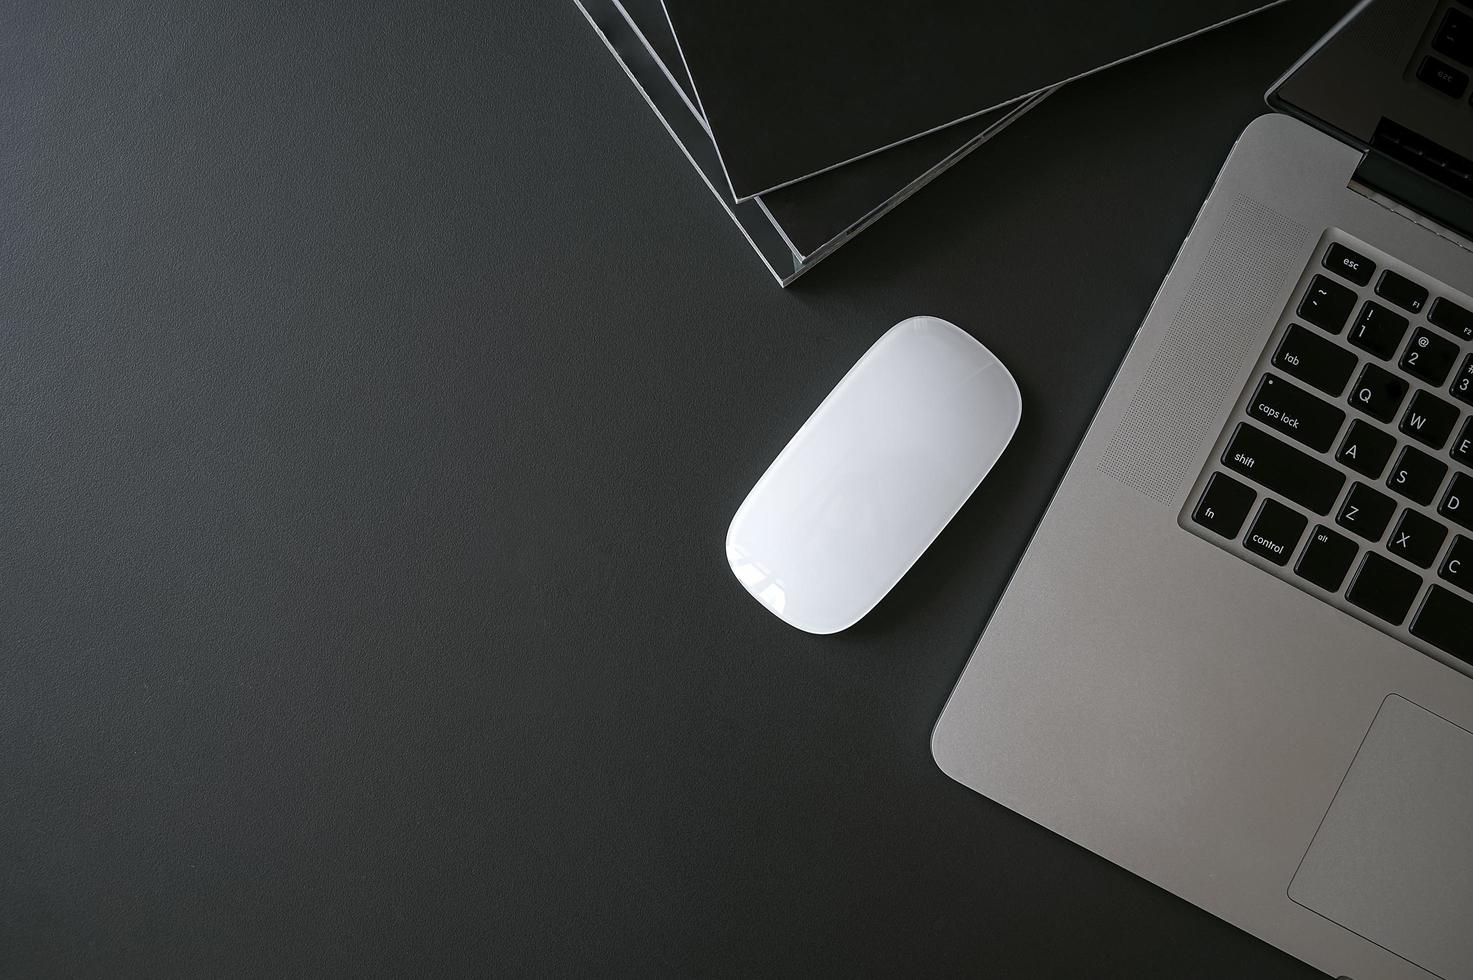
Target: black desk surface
376,385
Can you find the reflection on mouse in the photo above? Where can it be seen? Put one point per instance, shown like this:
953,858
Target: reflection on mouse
873,476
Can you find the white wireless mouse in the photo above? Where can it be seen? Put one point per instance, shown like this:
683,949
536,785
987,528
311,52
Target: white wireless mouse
873,476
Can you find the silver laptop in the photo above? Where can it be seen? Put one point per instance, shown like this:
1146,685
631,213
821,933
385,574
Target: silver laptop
1237,658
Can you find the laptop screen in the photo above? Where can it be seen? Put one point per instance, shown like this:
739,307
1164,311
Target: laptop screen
1396,76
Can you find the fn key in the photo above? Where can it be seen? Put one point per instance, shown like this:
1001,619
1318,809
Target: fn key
1224,505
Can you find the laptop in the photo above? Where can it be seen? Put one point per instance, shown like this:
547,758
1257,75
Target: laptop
1237,656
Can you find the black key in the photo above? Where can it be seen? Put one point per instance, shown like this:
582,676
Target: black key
1442,76
1366,512
1224,505
1417,539
1454,37
1457,567
1463,444
1366,448
1326,304
1457,502
1378,330
1296,413
1283,469
1378,392
1429,357
1352,265
1275,532
1462,388
1326,558
1401,291
1452,318
1429,420
1383,588
1416,475
1443,621
1315,360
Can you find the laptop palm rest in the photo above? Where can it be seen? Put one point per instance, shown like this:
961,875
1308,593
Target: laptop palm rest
1393,859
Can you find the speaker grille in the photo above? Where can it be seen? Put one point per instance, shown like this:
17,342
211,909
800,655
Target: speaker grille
1223,318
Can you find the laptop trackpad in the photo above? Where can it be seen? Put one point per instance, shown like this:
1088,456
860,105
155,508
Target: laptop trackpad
1393,859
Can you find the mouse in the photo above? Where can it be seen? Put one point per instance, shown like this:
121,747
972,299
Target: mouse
874,475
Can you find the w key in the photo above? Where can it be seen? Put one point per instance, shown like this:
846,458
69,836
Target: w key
1429,419
1296,413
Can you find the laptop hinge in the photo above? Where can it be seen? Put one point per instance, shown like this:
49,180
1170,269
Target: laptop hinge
1416,196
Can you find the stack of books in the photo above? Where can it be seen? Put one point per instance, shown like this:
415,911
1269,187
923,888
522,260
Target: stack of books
809,119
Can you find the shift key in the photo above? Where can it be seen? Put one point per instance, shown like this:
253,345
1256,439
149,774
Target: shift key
1296,413
1283,469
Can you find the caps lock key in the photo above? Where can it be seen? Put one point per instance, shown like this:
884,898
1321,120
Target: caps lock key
1296,413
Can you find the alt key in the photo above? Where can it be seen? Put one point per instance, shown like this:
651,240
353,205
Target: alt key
1326,558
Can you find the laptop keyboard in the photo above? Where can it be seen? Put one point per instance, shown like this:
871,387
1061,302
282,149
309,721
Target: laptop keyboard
1347,466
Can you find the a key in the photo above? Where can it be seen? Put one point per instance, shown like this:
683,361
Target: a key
1366,512
1401,291
1443,622
1296,413
1352,265
1451,317
1416,475
1378,392
1317,361
1275,532
1224,505
1326,304
1457,566
1457,501
1378,330
1326,558
1416,539
1383,588
1366,448
1429,357
1429,420
1310,483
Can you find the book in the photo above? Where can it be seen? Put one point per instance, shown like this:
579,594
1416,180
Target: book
794,88
791,229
